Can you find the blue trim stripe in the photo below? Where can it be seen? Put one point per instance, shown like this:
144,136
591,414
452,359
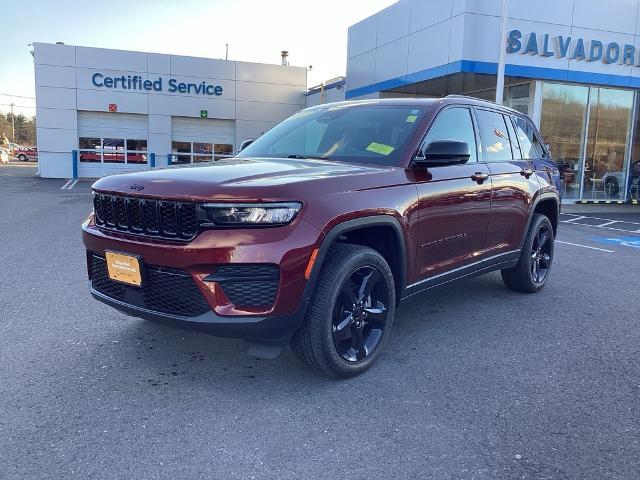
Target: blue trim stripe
490,68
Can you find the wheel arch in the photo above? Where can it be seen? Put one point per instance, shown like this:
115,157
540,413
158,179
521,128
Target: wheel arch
354,231
547,204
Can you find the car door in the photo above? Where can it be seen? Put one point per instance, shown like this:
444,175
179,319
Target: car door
454,201
513,180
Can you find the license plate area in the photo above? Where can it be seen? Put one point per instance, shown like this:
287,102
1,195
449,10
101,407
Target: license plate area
124,268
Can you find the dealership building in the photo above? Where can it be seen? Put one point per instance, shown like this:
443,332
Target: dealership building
107,111
572,65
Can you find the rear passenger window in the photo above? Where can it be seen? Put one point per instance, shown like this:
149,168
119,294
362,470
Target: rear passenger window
529,144
515,146
494,136
454,124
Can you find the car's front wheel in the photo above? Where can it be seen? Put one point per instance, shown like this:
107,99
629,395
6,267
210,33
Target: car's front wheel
532,270
350,315
22,157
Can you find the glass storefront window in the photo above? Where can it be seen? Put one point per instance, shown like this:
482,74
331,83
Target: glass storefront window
90,149
203,148
198,152
136,145
112,150
180,152
633,184
606,154
562,122
223,150
517,97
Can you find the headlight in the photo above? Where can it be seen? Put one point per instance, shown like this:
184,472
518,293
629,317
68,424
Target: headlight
252,213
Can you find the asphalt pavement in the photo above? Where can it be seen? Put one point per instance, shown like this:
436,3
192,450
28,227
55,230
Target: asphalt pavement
477,382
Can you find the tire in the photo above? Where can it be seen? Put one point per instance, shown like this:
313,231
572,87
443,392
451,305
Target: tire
327,340
524,277
22,157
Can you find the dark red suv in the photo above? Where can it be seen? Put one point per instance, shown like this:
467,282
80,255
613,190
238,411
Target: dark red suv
314,232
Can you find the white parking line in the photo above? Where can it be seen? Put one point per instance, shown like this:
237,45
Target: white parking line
585,246
579,217
70,184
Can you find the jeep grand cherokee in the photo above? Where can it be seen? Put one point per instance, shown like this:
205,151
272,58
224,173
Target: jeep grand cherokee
314,233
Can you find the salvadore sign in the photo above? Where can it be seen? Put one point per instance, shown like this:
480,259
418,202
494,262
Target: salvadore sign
159,84
561,46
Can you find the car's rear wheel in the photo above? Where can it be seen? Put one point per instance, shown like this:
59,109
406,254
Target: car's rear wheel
532,270
350,315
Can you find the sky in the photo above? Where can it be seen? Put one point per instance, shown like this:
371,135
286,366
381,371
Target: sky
314,33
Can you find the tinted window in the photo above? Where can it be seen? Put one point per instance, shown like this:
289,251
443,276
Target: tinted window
364,133
494,136
529,144
515,146
454,124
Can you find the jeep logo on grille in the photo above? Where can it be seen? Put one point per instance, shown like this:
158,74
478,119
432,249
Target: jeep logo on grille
136,187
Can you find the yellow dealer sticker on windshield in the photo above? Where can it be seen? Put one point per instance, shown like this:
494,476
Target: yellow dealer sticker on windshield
380,148
411,118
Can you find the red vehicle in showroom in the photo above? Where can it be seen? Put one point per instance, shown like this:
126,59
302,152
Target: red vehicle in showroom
314,232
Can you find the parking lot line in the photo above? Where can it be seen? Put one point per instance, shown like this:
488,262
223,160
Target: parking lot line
70,184
585,246
578,217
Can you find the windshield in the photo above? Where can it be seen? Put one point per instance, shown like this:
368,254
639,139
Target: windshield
360,133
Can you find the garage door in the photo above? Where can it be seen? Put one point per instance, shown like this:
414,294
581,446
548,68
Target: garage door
111,143
196,140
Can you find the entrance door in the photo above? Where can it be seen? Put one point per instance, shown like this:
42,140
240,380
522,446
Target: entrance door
455,201
607,144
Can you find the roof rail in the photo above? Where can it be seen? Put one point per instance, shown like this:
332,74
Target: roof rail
456,95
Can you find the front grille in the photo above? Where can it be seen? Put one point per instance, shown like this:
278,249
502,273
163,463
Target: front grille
165,290
142,216
248,285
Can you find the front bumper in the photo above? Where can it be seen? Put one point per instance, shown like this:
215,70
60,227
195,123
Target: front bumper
267,336
289,247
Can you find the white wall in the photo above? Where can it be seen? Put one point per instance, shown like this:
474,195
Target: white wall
255,96
416,35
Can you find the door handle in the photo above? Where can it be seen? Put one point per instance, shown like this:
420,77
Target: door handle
479,177
526,172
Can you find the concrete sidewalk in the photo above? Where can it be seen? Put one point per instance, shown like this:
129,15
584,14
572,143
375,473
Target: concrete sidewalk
630,213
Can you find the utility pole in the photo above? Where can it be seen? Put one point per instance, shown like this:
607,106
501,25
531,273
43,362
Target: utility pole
226,54
501,54
13,131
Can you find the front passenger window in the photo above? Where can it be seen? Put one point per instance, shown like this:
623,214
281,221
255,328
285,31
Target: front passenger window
454,124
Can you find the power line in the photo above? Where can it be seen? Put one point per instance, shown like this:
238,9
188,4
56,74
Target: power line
16,96
21,106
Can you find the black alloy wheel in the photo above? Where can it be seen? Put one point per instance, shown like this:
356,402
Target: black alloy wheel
541,254
360,315
350,315
532,271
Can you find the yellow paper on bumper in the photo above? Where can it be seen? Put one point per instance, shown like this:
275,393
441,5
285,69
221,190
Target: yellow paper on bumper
380,148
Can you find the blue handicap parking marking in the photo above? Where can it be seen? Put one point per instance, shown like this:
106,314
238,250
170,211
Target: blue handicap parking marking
633,242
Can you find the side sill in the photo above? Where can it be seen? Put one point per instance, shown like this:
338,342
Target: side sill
497,262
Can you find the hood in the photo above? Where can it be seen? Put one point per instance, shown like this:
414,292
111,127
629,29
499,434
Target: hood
247,179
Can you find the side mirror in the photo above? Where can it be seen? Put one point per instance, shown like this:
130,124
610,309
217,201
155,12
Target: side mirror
443,152
245,144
